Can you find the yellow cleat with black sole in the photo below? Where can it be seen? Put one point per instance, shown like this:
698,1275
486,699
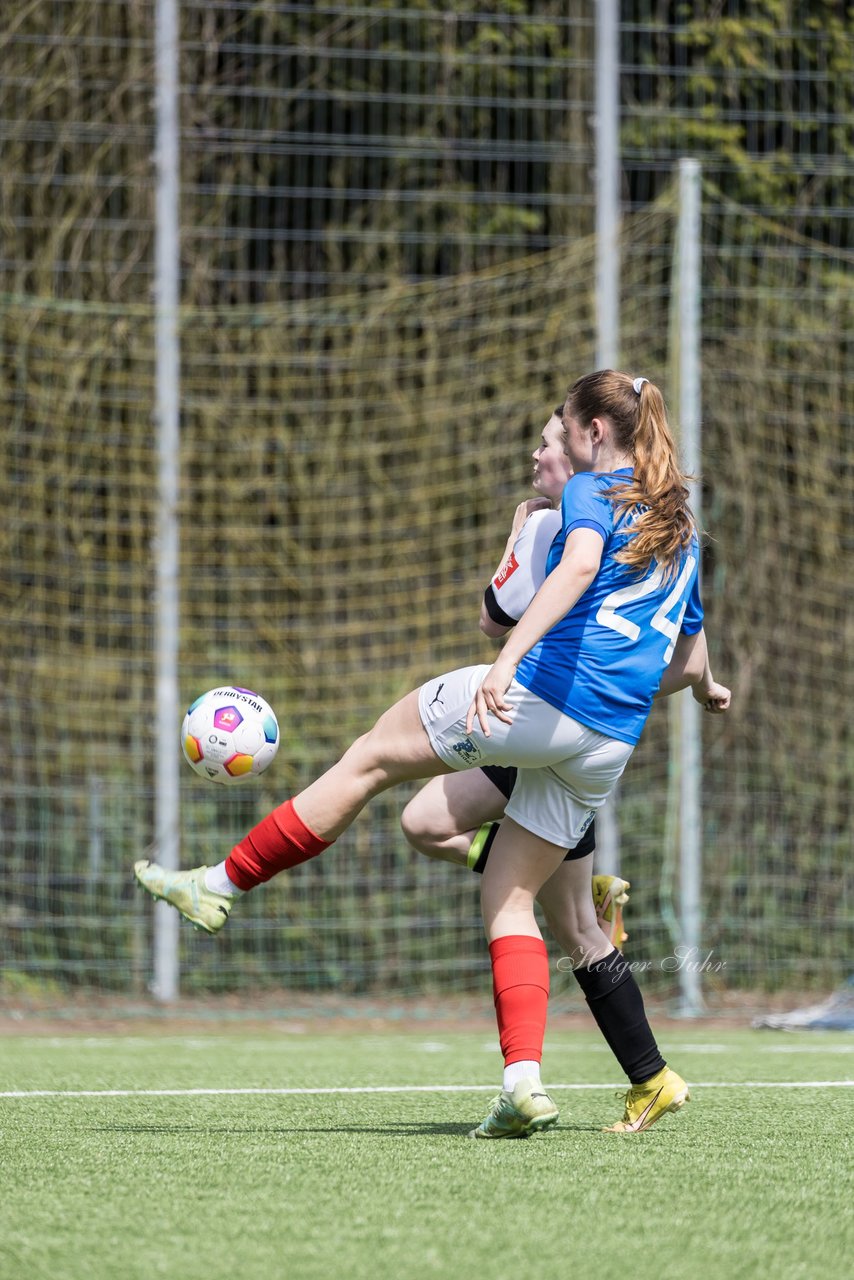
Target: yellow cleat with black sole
528,1109
610,895
187,892
645,1103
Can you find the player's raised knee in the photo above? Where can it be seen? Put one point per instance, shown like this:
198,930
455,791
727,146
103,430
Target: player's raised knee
417,828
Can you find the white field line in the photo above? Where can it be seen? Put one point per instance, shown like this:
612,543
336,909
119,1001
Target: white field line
429,1046
393,1088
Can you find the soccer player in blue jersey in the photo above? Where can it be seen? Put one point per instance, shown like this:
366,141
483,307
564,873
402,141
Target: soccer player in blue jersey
565,702
455,818
626,562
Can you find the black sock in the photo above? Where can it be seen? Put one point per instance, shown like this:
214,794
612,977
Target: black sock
616,1003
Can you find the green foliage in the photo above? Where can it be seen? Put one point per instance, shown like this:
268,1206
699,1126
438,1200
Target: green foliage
765,99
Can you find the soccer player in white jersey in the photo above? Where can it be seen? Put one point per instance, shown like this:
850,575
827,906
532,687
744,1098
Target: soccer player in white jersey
565,701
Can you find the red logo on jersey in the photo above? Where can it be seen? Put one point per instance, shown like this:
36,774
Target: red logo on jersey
506,571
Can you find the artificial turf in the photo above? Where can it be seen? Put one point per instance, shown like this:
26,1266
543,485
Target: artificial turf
747,1181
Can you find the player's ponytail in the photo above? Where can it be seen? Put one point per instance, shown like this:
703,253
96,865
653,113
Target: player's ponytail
657,494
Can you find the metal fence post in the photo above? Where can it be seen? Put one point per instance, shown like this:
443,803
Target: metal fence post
608,289
688,711
167,376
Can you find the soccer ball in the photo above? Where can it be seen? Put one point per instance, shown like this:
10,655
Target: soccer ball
229,734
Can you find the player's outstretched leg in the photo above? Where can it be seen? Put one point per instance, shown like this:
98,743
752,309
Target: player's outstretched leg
648,1102
397,749
187,892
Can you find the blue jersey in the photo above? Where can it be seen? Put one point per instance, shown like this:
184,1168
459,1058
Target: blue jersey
602,663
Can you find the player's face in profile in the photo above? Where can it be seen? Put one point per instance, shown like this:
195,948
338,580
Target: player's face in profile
552,468
577,445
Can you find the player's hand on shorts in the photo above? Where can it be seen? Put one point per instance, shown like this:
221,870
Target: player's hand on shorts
489,699
714,698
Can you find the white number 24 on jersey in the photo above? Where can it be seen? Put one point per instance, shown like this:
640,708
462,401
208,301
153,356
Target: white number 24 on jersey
609,616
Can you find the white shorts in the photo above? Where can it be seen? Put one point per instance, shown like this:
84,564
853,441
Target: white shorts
566,771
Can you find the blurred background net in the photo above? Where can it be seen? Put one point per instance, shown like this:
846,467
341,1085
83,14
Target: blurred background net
388,267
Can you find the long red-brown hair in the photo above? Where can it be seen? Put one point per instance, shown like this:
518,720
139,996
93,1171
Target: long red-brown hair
658,489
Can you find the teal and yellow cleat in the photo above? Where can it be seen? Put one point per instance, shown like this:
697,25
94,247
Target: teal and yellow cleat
187,892
610,895
648,1102
526,1110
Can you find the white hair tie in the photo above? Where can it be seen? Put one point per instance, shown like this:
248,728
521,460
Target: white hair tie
637,384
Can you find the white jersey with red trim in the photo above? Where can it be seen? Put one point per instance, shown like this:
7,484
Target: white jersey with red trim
524,571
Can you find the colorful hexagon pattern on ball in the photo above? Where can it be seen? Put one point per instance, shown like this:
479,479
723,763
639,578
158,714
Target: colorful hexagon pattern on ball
229,734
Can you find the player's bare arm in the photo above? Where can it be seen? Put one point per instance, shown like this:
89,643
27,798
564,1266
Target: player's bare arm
561,590
690,669
686,666
490,628
711,695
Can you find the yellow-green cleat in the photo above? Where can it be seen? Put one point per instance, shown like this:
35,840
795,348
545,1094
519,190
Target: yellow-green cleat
648,1102
526,1110
610,895
186,892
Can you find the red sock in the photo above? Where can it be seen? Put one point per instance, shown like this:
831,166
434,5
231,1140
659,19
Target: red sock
520,984
280,841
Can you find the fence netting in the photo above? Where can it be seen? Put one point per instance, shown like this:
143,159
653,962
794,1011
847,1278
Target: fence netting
388,281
